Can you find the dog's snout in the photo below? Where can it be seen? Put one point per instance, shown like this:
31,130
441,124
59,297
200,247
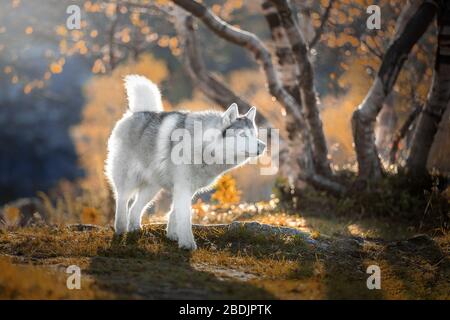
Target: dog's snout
261,147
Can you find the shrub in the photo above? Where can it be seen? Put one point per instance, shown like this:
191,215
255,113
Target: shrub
226,191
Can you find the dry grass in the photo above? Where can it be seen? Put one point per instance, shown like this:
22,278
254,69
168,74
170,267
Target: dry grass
229,264
28,281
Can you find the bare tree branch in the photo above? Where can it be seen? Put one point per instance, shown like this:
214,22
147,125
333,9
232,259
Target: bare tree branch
373,50
401,133
324,21
250,42
207,82
132,4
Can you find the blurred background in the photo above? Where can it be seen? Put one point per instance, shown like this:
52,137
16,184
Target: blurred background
61,90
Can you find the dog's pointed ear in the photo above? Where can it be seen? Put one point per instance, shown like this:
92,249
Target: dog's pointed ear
231,114
251,114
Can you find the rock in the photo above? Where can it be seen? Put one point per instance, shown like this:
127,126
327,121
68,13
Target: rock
421,239
256,227
82,227
260,228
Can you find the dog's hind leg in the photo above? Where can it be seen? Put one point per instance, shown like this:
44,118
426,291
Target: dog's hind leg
123,188
120,221
144,195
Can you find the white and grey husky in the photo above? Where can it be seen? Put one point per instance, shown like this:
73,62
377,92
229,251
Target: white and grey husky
146,154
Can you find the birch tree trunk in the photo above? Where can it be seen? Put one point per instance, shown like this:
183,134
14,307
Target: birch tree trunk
288,71
385,128
287,67
306,85
412,23
438,100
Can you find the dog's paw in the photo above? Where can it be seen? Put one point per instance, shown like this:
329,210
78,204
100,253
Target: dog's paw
172,236
188,245
118,230
132,228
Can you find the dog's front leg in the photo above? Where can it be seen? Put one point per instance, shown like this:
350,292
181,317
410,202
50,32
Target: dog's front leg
182,196
120,220
172,224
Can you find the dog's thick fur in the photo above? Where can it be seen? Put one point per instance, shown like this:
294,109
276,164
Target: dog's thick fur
139,162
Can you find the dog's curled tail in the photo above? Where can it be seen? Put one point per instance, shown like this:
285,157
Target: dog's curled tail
143,95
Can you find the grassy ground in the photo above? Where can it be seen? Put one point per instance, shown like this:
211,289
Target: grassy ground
330,263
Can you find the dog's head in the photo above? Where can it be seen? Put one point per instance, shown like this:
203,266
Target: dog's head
240,135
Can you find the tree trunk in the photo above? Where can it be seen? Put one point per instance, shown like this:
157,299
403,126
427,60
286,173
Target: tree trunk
438,99
288,71
439,152
412,23
306,83
385,128
287,67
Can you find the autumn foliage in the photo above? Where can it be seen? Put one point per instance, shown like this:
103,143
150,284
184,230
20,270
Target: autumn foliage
226,191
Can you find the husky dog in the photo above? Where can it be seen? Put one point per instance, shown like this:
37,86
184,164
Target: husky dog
141,157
